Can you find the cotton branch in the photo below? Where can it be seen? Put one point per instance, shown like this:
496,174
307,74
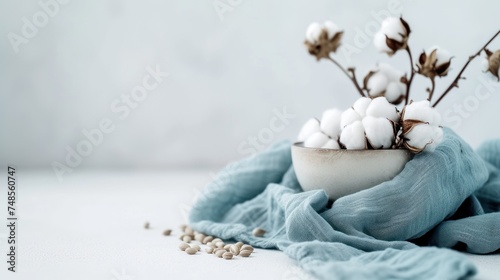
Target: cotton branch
351,76
459,76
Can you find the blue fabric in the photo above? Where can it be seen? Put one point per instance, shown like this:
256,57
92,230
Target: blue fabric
449,198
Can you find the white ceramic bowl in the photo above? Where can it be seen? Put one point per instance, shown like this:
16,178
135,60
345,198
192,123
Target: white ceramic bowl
344,172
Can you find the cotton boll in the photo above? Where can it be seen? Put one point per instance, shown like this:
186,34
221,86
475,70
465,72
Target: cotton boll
393,28
379,132
424,136
437,138
331,144
330,123
422,111
331,28
442,55
353,136
316,140
393,92
348,117
313,32
379,41
381,108
309,128
392,73
377,83
361,104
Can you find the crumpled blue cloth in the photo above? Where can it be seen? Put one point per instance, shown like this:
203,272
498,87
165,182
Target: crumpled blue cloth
400,229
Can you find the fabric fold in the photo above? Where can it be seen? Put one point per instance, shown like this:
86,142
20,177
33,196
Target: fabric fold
439,198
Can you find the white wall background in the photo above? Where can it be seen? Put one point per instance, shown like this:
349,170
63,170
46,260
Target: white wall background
226,76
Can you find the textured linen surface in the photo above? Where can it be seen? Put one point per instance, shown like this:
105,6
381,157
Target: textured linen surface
449,198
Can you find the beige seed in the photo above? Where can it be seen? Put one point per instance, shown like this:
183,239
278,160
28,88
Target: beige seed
227,246
258,232
199,237
245,253
191,251
186,238
216,240
183,227
183,246
210,244
239,244
234,249
246,247
220,252
196,247
146,225
189,231
167,232
209,250
227,255
207,239
220,244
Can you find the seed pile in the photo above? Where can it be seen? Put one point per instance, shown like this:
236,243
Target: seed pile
212,245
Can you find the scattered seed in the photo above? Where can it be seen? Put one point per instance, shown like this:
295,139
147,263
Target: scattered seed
191,251
209,250
227,246
246,247
239,244
183,228
227,255
258,232
220,244
210,244
196,247
199,237
189,231
183,246
245,253
207,239
186,238
219,252
167,232
216,240
234,249
146,225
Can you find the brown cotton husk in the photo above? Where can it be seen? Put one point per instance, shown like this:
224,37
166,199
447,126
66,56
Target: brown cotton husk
427,65
324,46
493,62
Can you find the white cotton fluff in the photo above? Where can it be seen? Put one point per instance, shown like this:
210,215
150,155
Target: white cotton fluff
310,127
377,83
316,140
442,55
348,117
379,132
313,32
393,28
422,111
353,136
379,40
424,136
393,92
331,28
330,123
331,144
361,104
485,64
381,108
392,73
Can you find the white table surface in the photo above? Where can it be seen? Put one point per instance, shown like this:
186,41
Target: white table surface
90,226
